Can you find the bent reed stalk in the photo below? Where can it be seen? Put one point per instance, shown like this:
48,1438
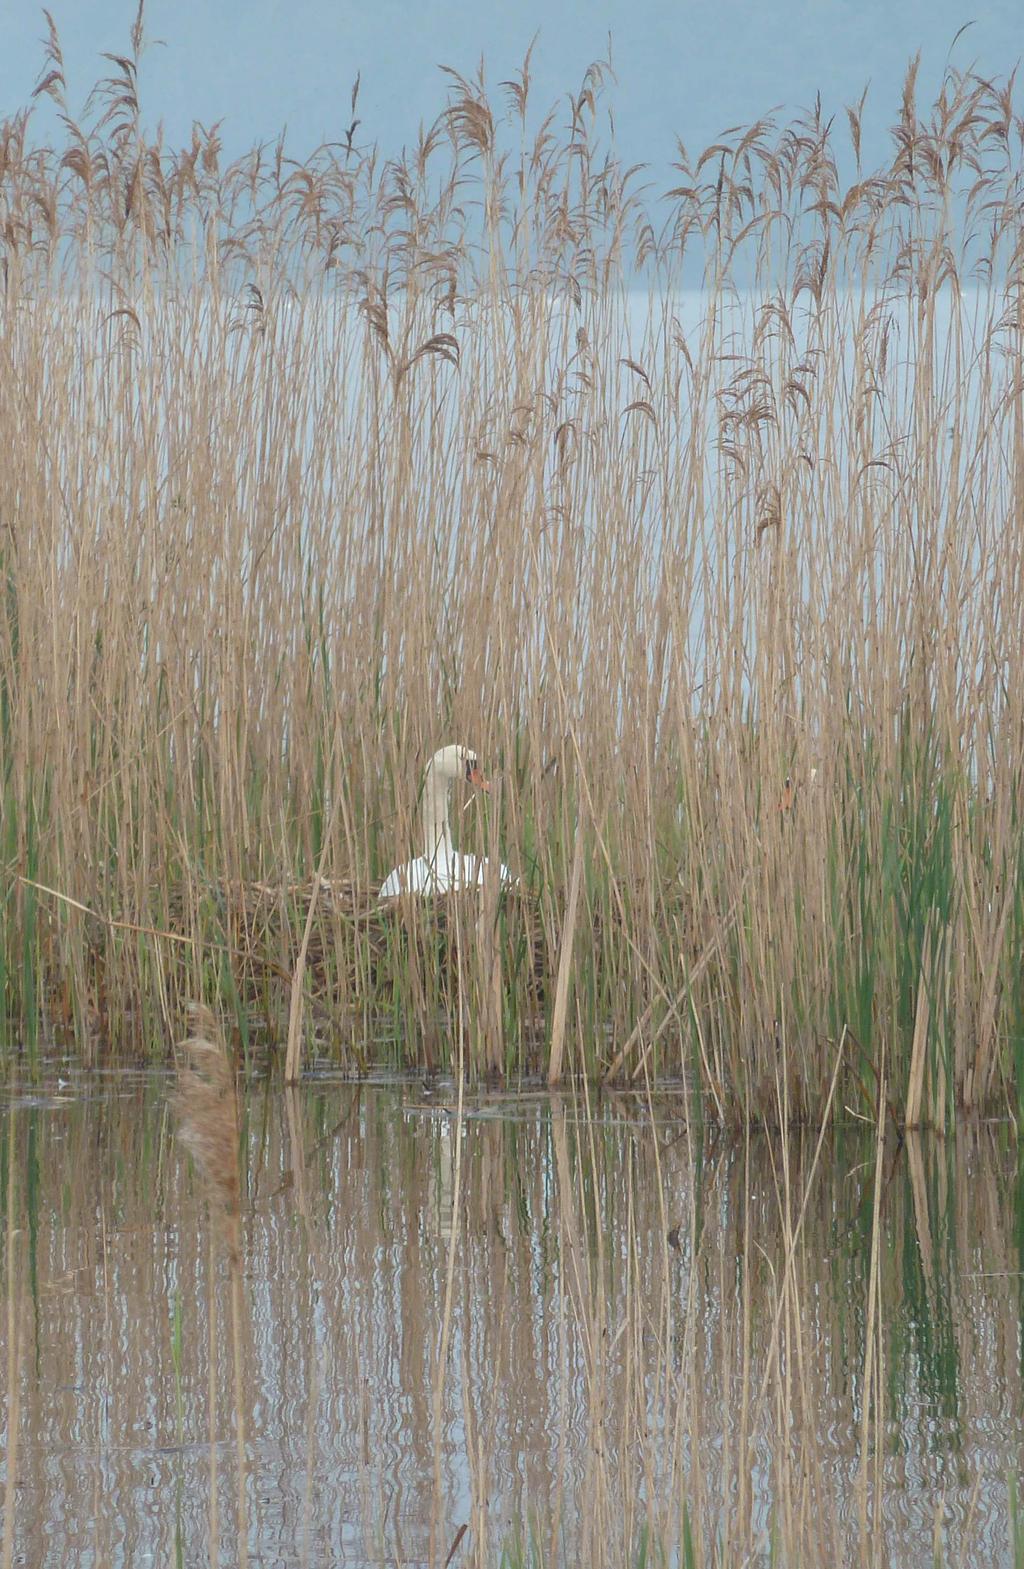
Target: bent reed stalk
693,501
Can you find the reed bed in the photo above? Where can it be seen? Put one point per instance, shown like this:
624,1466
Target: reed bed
691,497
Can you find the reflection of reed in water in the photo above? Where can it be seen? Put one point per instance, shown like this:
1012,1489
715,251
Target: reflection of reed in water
14,1345
206,1104
555,1434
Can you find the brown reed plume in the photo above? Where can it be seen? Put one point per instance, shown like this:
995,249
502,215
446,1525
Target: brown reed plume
206,1105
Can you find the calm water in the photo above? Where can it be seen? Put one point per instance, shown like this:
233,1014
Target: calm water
570,1335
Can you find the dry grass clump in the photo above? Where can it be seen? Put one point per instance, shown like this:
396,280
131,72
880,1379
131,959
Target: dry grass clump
311,468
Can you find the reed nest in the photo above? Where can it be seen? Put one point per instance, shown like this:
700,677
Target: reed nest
407,963
421,965
355,934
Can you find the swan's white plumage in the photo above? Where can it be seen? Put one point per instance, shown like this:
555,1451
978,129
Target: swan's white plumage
444,874
442,869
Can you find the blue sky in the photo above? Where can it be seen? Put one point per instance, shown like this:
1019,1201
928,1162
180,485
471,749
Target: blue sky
687,70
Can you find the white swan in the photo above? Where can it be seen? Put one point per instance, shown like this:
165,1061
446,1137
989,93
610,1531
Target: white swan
441,869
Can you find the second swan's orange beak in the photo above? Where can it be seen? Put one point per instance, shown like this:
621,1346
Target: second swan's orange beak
475,777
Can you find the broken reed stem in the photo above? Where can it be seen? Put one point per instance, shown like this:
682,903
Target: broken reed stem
919,1044
293,1055
672,1012
108,920
565,966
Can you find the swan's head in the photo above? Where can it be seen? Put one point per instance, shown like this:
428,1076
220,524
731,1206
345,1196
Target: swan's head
458,762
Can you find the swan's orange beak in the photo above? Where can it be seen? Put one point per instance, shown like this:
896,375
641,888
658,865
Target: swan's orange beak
476,778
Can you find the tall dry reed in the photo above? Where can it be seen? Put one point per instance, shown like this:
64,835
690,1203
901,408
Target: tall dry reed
660,493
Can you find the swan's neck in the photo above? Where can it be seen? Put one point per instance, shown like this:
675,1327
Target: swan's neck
437,833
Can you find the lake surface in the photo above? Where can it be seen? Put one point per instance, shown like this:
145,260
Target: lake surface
584,1335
